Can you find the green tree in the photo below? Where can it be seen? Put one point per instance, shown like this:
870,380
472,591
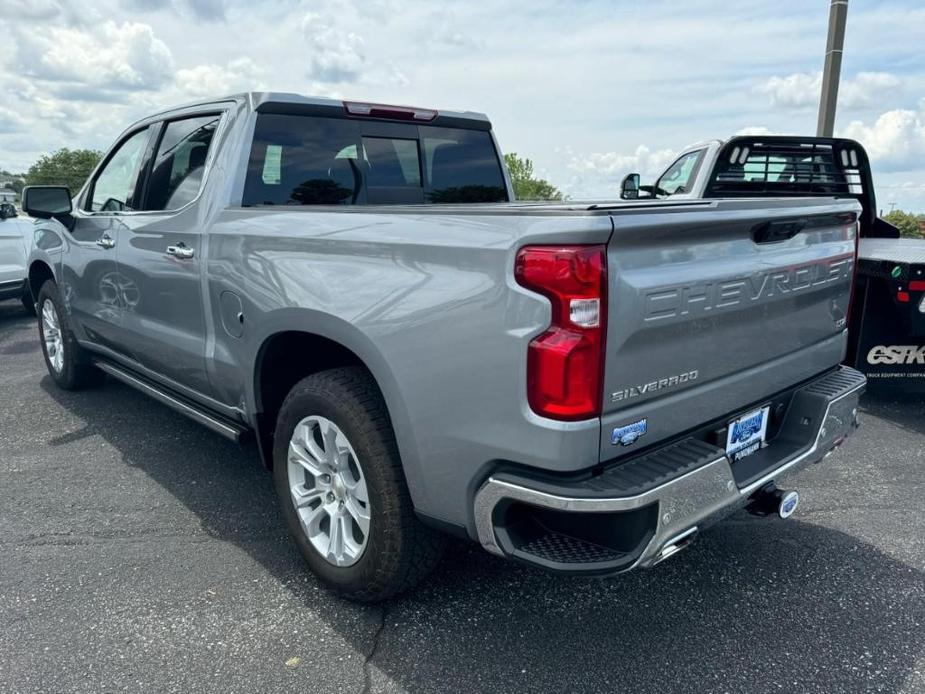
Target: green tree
906,222
66,167
526,187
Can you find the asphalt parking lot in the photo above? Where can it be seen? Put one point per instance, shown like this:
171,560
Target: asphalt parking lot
140,552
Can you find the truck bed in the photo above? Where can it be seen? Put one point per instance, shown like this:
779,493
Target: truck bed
907,251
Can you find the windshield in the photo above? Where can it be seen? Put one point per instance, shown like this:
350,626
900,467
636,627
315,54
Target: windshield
680,176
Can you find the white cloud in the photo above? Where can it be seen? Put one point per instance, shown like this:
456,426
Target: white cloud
210,10
207,10
207,80
598,174
757,130
36,12
111,58
336,55
802,89
643,161
905,187
11,122
895,141
868,88
32,9
796,90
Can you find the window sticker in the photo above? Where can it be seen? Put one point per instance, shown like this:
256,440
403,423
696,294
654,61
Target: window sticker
272,165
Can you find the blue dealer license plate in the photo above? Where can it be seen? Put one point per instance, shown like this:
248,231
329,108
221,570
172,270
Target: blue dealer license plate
746,434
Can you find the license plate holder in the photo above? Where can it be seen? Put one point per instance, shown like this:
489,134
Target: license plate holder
746,435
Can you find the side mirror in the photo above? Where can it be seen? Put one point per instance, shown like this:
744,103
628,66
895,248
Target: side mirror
48,202
629,188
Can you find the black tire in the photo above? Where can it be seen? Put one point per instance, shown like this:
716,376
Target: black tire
76,370
400,550
27,302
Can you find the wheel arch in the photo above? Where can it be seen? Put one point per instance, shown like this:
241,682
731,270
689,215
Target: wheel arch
39,273
330,343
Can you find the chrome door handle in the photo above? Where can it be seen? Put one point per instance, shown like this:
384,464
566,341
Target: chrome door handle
105,241
181,250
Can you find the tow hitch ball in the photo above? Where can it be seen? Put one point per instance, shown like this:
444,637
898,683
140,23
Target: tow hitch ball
770,500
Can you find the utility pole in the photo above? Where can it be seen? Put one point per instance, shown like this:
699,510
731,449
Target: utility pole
838,14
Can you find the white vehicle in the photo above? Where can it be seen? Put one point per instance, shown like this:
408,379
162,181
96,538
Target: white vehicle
15,245
887,325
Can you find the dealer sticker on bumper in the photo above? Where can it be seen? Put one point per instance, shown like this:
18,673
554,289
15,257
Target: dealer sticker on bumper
746,434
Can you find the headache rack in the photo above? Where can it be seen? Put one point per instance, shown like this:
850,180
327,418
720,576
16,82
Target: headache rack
781,166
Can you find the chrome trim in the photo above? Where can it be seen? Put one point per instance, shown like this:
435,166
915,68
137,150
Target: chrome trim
712,486
675,544
229,431
786,466
704,494
181,250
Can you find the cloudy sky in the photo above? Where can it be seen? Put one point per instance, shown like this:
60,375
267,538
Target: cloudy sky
589,89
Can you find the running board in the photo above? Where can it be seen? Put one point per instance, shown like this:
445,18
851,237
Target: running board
224,427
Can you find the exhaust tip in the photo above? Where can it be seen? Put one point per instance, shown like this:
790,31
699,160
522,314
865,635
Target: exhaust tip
675,545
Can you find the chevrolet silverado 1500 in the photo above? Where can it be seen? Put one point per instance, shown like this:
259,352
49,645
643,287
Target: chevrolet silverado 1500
580,387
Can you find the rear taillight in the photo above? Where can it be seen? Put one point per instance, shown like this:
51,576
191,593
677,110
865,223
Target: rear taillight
565,364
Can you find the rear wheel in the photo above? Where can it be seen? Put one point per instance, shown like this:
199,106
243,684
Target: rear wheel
342,490
67,362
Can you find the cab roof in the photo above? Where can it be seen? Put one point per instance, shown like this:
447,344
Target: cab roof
286,102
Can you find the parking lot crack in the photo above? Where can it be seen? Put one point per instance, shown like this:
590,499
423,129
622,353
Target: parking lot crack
367,661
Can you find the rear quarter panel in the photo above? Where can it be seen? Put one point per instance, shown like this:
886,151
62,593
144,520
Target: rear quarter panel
428,302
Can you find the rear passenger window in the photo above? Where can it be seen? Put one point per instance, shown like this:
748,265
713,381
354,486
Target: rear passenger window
312,160
176,176
299,160
461,166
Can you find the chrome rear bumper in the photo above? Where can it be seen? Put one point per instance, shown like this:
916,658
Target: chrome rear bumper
821,415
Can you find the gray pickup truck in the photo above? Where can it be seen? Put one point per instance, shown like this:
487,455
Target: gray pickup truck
580,387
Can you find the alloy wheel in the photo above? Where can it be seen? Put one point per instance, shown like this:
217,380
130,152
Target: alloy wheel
328,490
51,334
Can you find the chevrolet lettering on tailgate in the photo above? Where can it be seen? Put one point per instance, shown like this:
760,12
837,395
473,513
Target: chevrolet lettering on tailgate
684,300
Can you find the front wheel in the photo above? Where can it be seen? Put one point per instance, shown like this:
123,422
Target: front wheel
67,362
343,494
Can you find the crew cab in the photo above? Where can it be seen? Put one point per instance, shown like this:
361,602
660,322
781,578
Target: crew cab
15,239
581,387
887,327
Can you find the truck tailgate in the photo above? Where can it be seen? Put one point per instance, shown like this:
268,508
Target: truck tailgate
709,313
